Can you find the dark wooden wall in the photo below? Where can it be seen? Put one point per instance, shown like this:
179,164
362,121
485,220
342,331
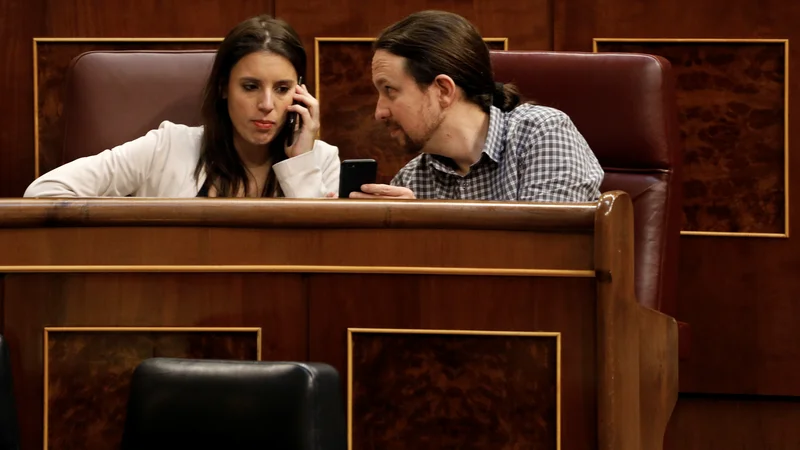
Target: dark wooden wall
738,292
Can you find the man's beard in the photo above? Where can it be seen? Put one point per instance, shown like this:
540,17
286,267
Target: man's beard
414,146
409,145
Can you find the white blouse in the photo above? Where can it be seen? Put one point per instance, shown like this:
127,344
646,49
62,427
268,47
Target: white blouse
162,164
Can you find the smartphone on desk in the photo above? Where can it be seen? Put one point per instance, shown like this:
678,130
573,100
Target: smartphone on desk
291,119
355,172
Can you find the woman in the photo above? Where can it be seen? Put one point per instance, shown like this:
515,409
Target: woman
242,148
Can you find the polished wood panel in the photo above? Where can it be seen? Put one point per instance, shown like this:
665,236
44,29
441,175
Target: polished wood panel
19,23
321,232
139,271
178,18
739,294
88,374
274,302
339,302
740,302
618,319
340,18
658,383
52,62
731,108
449,390
744,333
728,422
577,22
247,249
347,104
294,213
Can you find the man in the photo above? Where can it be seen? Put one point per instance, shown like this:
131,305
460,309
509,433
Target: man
437,96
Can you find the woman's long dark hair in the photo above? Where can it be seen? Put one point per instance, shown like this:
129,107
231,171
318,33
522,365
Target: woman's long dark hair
224,168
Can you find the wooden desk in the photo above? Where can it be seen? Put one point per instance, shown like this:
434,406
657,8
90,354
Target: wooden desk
406,294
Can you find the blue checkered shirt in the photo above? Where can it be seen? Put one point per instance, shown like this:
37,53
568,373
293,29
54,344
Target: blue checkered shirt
532,153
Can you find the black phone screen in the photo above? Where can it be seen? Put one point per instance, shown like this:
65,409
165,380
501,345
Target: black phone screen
291,119
354,173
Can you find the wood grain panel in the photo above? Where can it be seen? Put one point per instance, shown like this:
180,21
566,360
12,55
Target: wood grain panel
88,376
731,107
52,61
735,422
144,300
298,213
347,106
339,302
230,246
339,18
454,390
577,22
151,18
744,318
739,295
19,23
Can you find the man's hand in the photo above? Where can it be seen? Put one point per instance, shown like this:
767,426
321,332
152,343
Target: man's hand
382,191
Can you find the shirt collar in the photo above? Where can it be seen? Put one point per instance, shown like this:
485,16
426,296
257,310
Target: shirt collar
493,147
496,137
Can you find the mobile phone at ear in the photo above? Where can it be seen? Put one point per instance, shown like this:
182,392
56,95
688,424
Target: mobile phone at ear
355,172
291,119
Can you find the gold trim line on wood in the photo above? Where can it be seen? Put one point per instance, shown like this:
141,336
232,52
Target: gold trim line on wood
691,40
452,332
149,329
344,39
258,344
558,392
124,39
570,273
734,234
352,331
316,73
349,390
559,411
372,39
47,330
786,137
785,42
36,114
46,390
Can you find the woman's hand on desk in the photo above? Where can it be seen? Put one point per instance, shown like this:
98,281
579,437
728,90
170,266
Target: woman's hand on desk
382,191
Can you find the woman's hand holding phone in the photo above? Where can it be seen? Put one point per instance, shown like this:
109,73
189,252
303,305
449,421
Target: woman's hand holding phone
307,127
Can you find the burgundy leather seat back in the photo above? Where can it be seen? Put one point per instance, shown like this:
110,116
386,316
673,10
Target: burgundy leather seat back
116,96
624,105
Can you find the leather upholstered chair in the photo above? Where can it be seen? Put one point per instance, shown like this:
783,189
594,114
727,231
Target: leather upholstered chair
211,404
113,97
9,426
625,107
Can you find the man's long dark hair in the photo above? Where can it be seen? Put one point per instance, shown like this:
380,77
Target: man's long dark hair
439,42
